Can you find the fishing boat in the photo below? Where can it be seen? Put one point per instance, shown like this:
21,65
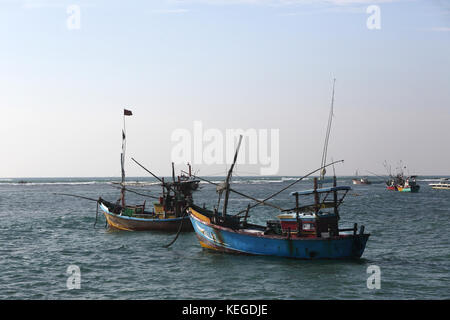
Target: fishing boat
358,180
402,184
409,185
188,178
168,214
307,231
443,184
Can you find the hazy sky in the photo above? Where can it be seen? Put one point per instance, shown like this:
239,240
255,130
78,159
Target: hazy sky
240,64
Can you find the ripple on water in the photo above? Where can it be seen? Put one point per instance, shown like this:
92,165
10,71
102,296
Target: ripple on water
41,237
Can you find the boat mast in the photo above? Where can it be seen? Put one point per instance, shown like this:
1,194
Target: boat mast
122,157
227,182
327,137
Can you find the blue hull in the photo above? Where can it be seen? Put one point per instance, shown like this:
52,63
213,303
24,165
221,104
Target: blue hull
223,239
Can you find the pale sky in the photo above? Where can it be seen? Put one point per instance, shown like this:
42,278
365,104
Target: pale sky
239,64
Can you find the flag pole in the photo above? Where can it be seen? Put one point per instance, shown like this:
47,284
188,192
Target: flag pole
124,144
123,162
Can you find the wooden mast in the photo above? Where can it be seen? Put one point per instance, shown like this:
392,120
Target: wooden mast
122,156
227,182
122,163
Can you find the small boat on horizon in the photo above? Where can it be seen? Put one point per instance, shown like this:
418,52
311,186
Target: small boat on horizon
443,184
358,180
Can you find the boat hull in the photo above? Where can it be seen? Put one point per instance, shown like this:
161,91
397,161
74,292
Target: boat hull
127,223
356,181
408,189
440,186
223,239
402,189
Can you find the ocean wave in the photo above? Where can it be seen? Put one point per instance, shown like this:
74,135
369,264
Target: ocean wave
137,183
262,180
25,183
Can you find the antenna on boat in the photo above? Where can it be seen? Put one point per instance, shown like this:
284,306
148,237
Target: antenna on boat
327,137
227,182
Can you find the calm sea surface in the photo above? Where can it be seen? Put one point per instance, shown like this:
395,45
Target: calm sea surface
42,234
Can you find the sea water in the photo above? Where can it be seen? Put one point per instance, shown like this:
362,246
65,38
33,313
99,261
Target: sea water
43,235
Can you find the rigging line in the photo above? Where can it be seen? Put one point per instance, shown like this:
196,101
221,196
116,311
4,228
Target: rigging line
76,196
141,194
96,215
376,175
290,185
239,193
139,190
164,184
327,136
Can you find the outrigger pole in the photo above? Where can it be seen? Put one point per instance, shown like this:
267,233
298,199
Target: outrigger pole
376,175
290,185
76,196
155,176
237,192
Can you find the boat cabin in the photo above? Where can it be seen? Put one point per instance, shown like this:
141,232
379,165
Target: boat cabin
319,219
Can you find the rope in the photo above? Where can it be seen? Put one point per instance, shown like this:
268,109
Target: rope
96,215
179,230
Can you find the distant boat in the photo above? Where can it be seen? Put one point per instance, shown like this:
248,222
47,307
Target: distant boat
403,184
400,182
443,184
358,180
190,179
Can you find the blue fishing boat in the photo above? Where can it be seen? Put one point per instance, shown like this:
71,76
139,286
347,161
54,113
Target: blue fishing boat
306,232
